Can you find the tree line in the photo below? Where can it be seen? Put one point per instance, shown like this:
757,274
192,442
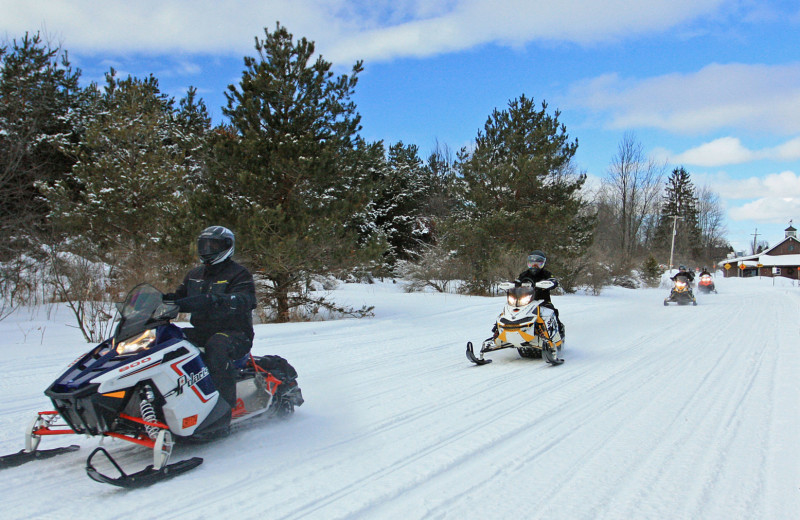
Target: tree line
123,178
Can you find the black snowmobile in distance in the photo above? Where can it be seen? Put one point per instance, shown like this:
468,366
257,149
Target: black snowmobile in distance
681,292
148,385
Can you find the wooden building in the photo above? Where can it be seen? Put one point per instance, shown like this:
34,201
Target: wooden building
783,259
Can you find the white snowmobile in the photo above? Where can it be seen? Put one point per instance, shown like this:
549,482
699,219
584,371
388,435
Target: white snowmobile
148,385
526,325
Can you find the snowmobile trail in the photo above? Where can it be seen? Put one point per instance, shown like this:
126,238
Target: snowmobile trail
658,412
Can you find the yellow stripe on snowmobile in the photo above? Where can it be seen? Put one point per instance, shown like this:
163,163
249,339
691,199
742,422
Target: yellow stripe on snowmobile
118,395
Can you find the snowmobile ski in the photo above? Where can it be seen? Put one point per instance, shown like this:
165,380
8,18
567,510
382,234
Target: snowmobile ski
147,477
471,356
23,456
551,356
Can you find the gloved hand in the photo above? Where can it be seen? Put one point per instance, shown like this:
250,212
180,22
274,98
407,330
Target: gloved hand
169,297
201,302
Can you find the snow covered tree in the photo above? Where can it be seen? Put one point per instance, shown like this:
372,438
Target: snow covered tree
398,203
290,170
519,192
40,101
127,191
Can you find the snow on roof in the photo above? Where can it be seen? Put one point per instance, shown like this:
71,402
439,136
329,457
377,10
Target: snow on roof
738,259
779,260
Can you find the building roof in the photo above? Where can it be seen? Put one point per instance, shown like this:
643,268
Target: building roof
764,258
779,260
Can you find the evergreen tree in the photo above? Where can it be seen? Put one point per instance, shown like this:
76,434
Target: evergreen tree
397,209
519,192
126,192
651,273
290,170
679,201
40,103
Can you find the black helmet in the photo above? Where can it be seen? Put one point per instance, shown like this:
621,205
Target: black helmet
681,267
215,244
536,259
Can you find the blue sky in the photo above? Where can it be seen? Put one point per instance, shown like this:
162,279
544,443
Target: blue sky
710,85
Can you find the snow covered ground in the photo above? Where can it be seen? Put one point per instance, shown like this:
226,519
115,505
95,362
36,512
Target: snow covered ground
678,413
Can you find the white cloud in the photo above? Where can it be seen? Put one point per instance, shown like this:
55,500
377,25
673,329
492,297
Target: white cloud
730,150
773,198
767,210
345,30
749,97
773,185
727,150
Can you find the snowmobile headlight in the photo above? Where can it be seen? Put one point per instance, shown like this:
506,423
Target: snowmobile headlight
522,301
680,285
137,343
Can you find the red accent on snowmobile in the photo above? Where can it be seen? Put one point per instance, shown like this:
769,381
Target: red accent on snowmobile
64,430
197,392
142,421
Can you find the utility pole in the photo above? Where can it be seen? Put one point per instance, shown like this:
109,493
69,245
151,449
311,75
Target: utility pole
674,232
755,237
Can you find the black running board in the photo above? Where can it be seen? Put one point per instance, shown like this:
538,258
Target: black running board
471,356
17,459
148,476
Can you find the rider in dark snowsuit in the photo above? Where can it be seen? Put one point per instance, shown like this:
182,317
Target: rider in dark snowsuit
220,295
682,271
536,273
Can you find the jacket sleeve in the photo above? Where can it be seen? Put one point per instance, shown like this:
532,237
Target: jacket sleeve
241,295
181,291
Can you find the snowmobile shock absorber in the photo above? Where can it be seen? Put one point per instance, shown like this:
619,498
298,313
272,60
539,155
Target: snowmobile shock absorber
148,412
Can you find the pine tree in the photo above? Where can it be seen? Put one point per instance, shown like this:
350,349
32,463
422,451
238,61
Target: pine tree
397,207
519,192
679,201
290,171
651,273
126,192
40,102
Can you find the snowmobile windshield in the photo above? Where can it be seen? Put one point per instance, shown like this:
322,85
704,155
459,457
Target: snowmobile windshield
681,281
141,310
519,296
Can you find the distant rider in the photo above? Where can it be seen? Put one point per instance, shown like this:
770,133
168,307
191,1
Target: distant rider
220,295
536,273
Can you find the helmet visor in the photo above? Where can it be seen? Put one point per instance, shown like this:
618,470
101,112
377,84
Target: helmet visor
212,246
535,261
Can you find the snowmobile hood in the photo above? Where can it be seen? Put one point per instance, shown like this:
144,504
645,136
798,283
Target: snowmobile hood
104,358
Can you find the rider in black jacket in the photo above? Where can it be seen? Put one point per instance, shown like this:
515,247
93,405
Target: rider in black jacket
536,273
682,271
220,295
